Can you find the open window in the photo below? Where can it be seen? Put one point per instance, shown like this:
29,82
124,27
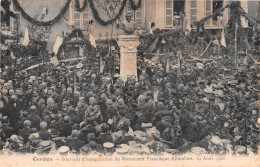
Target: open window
5,18
174,10
211,7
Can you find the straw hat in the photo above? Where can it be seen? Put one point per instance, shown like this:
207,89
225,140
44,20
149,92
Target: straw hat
63,150
108,145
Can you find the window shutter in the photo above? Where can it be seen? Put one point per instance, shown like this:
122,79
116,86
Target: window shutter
139,18
85,20
193,11
208,10
168,14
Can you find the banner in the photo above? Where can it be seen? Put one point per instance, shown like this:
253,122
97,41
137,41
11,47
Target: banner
57,45
92,40
223,41
26,39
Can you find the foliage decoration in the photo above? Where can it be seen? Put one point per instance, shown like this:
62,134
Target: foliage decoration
80,9
41,23
100,20
134,6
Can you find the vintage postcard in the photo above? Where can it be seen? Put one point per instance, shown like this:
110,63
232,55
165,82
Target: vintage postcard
130,83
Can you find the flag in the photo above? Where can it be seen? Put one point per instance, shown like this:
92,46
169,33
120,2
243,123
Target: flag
57,44
92,40
26,39
223,41
168,65
150,28
179,55
101,65
12,55
81,51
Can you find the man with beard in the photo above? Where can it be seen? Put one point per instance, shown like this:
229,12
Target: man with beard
22,100
150,70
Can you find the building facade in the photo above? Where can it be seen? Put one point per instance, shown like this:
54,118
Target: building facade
164,13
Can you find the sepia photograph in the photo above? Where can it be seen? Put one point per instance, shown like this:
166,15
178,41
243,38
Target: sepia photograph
130,83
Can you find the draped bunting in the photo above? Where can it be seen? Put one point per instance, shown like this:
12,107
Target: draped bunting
40,23
134,6
77,4
79,9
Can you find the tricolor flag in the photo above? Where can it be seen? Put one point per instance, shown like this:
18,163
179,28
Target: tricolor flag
223,41
57,44
92,40
26,39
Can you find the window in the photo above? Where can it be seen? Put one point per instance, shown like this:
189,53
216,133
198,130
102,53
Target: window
6,20
211,7
80,19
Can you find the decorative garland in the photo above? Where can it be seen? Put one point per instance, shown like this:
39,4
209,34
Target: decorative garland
133,6
77,4
72,35
101,21
39,23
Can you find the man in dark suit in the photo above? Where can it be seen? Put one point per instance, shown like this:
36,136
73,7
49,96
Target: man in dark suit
13,112
151,70
104,135
8,131
34,118
22,102
25,132
66,127
43,133
75,143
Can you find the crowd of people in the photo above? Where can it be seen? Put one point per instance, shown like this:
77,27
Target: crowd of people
193,107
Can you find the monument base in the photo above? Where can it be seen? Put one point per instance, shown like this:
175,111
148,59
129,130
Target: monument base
128,55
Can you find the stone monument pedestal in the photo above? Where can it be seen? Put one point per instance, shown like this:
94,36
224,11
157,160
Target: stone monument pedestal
128,55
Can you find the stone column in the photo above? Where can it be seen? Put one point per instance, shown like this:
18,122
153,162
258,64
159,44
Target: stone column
128,58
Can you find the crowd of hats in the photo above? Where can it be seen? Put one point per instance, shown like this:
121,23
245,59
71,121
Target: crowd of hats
71,109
